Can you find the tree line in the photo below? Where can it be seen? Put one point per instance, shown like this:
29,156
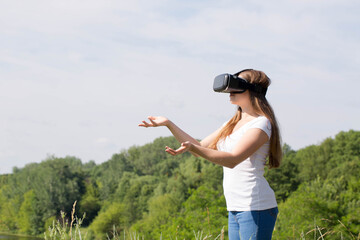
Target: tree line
143,189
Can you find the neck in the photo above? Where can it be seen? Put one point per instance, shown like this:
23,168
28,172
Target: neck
248,112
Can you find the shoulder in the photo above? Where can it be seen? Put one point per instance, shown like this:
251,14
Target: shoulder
262,123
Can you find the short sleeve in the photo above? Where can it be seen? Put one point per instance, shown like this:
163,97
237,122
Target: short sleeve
264,124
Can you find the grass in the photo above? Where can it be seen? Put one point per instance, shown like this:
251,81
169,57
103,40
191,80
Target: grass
321,233
65,230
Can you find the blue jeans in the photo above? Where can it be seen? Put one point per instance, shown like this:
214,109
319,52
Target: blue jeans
254,225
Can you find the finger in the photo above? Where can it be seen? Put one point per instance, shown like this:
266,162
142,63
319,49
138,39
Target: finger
170,151
152,121
143,124
147,124
173,152
177,151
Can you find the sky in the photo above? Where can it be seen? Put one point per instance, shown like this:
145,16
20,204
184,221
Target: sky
77,77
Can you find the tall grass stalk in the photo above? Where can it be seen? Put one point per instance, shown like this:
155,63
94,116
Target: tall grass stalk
63,231
329,232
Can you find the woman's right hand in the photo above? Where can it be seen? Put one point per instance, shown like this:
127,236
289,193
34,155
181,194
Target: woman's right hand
154,122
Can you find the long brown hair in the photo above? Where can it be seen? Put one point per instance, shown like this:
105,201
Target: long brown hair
261,106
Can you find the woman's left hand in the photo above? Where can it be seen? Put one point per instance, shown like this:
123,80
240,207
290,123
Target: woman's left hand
185,146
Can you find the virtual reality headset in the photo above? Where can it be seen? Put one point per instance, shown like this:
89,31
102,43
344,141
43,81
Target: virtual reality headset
231,83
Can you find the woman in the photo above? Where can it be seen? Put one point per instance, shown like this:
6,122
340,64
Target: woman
243,146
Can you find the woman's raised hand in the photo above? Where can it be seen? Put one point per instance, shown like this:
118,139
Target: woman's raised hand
154,122
185,146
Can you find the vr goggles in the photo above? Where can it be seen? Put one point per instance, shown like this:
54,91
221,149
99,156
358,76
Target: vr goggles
231,83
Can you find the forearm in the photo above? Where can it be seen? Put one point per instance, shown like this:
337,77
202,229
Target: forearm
180,135
224,159
251,141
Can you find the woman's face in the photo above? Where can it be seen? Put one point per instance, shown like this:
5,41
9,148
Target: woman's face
240,98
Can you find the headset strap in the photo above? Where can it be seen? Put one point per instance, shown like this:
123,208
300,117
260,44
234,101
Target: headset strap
251,86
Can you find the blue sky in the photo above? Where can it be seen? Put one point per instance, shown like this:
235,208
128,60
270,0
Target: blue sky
76,77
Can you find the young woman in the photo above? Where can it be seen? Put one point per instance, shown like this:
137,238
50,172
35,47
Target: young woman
243,146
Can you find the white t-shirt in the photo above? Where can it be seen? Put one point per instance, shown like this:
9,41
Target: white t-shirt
245,187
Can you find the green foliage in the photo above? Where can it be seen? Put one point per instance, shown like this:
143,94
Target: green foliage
329,205
189,204
113,215
135,193
284,180
161,209
147,191
108,174
204,210
39,191
90,203
8,212
151,159
328,197
312,156
64,229
27,214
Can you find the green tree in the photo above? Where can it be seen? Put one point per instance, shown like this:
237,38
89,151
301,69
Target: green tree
112,216
90,203
137,194
151,159
8,212
161,211
27,214
108,174
284,180
325,206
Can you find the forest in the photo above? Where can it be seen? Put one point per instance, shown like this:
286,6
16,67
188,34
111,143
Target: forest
145,190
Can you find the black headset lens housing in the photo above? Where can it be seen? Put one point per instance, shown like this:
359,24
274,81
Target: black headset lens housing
229,83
